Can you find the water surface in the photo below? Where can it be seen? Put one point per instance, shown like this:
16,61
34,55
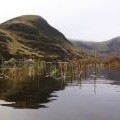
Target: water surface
94,95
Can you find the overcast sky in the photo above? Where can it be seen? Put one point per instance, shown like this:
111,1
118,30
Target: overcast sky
94,20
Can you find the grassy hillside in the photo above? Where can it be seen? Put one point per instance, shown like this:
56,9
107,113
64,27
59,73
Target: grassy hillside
102,48
31,35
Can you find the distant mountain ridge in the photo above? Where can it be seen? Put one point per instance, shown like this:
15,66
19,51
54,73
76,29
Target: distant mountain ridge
31,35
102,48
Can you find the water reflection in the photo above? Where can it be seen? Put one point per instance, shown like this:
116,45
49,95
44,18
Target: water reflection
29,92
34,86
113,75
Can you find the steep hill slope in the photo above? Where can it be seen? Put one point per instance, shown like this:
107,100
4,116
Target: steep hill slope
102,48
31,35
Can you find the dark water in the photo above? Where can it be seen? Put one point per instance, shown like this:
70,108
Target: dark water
91,96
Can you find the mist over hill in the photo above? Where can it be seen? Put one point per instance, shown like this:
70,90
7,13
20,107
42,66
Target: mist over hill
102,48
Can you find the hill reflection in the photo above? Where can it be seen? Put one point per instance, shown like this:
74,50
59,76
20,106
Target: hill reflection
29,93
33,86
